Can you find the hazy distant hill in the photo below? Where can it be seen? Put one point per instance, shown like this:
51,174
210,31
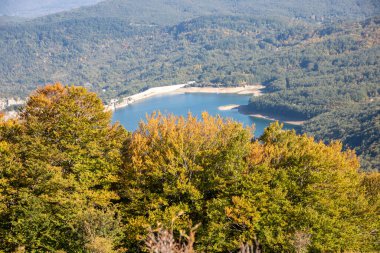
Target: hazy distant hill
174,11
34,8
166,12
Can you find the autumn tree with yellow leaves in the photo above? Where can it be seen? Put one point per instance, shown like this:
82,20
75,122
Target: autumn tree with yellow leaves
280,193
70,181
59,161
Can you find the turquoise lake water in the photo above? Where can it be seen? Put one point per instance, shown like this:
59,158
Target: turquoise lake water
181,104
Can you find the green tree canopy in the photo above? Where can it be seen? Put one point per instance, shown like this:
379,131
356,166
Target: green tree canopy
283,192
70,181
57,170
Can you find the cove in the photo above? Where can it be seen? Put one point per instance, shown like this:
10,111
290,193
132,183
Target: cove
182,104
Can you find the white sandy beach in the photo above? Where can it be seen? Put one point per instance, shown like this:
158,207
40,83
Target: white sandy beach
243,90
260,116
227,107
143,95
255,90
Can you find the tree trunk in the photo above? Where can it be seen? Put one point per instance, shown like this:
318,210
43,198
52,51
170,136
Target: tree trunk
257,245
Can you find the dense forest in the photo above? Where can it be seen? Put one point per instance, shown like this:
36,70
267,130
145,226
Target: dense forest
360,132
173,12
338,81
115,57
310,67
72,182
121,46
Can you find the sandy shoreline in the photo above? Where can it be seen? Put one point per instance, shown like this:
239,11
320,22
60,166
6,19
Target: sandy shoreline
228,107
120,103
290,122
254,90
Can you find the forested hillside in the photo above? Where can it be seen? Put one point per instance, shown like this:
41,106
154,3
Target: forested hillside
338,80
314,57
119,57
356,125
172,12
119,44
72,182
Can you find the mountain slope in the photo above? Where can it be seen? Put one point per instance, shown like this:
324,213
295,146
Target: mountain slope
357,126
119,47
112,54
170,12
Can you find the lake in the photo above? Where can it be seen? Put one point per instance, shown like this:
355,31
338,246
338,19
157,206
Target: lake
181,104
